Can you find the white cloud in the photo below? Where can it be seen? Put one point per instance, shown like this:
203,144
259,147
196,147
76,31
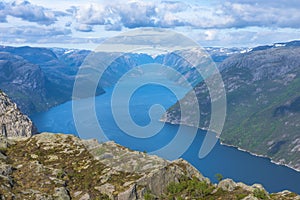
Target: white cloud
210,34
28,12
260,14
84,28
32,34
231,14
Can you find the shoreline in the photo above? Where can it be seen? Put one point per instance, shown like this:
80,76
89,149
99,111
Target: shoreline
236,147
261,156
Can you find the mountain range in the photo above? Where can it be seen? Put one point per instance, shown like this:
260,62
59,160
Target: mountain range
40,78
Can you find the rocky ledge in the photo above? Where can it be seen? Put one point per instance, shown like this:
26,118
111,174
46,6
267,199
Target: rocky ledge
12,121
59,166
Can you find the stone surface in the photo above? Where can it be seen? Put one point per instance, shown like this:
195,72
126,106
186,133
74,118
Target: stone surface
227,184
250,197
61,194
85,197
107,189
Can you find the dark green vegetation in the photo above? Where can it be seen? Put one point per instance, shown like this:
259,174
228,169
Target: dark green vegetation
219,177
57,166
191,188
263,101
260,194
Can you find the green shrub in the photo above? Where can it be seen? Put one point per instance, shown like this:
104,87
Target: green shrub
219,177
175,188
241,196
149,196
189,187
260,194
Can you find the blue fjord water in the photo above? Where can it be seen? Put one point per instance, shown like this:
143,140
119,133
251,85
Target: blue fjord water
229,161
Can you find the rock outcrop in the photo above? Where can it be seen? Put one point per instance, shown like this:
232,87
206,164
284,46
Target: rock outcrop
58,166
13,123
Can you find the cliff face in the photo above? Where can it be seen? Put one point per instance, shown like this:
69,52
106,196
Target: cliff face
13,122
263,98
58,166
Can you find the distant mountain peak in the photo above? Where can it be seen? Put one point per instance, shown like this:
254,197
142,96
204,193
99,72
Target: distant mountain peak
295,43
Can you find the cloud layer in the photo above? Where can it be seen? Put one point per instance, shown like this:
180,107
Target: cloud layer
167,14
225,22
28,12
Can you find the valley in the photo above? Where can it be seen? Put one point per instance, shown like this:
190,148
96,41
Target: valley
262,87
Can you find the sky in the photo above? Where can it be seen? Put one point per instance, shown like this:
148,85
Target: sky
85,24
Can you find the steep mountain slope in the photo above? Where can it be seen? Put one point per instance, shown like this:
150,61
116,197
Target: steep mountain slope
263,91
12,121
36,78
57,166
71,57
23,81
176,60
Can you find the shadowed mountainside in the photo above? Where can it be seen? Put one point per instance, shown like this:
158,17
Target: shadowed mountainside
263,91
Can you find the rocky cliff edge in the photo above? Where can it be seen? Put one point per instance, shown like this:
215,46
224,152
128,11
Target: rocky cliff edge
59,166
12,122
